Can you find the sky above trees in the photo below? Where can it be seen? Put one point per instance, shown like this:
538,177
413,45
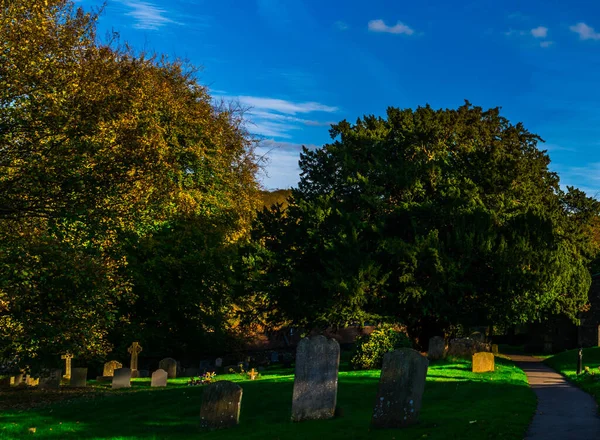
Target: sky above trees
301,65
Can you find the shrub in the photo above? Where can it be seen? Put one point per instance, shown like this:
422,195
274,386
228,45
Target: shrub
370,349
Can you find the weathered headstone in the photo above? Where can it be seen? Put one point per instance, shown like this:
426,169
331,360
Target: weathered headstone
477,337
401,387
483,362
466,347
122,378
218,362
67,357
16,380
110,367
316,379
170,366
159,378
437,348
50,379
495,348
134,350
78,377
221,402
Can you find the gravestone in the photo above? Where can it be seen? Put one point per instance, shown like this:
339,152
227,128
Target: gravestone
122,378
483,362
30,381
221,402
477,337
159,378
50,379
495,348
316,379
134,350
252,374
78,377
274,357
401,387
67,357
218,362
16,380
170,366
437,348
110,367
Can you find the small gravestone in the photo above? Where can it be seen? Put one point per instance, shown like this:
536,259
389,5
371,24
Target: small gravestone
110,367
437,348
274,357
483,362
401,387
316,379
221,402
50,379
170,366
16,380
78,377
159,378
31,381
122,378
495,348
218,362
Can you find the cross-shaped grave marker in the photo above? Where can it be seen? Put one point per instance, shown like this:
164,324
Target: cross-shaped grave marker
134,350
67,357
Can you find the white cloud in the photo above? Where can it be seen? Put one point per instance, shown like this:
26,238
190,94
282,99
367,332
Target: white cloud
545,44
398,28
282,169
283,106
540,32
585,32
147,15
341,26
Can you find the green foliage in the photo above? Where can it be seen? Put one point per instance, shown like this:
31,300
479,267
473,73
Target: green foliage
448,216
371,348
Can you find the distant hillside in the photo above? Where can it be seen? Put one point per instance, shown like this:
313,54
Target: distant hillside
270,198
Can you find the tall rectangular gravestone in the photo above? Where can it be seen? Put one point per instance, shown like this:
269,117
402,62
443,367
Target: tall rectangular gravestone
122,378
221,402
401,387
316,379
170,366
78,377
159,378
437,348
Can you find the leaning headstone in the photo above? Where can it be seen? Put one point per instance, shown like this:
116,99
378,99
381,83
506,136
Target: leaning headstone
483,362
316,379
50,379
134,350
401,387
110,367
221,402
78,377
170,366
159,378
437,348
122,378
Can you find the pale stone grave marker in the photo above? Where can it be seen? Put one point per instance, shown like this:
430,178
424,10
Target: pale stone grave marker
50,379
78,377
159,378
316,379
110,367
483,362
122,378
437,348
401,387
134,350
170,366
221,402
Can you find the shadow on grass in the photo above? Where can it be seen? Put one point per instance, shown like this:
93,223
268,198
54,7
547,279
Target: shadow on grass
451,409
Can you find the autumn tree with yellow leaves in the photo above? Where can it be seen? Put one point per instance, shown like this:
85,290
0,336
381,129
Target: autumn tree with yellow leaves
108,160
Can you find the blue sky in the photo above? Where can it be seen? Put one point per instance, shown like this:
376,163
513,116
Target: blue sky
302,64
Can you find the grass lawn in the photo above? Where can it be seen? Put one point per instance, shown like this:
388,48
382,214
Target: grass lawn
566,363
457,404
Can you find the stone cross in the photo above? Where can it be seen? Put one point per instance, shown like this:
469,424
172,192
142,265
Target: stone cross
134,350
401,387
252,374
316,379
67,357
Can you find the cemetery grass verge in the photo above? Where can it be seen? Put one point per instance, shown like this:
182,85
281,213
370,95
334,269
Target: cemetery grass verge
456,404
566,364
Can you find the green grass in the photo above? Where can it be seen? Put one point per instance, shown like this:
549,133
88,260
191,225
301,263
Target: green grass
457,404
566,363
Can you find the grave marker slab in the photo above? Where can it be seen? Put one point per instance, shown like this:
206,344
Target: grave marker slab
218,362
401,387
437,348
16,380
78,377
110,367
221,402
483,362
170,366
316,379
122,378
50,379
159,378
